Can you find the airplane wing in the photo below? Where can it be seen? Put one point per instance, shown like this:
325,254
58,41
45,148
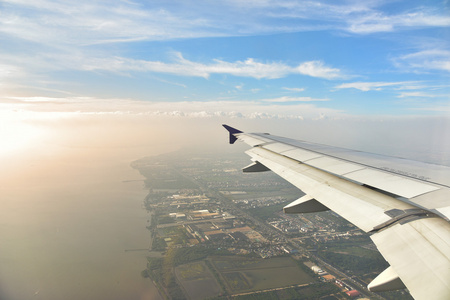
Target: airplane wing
403,204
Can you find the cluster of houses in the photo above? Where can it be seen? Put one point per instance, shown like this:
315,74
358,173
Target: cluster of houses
349,290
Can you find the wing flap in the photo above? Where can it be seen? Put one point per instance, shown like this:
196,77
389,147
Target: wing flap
278,147
301,155
419,252
252,139
333,165
394,184
387,280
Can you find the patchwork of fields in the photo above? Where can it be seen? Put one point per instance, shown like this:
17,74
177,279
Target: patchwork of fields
239,275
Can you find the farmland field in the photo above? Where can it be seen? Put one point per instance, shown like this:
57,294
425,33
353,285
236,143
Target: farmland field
197,281
251,274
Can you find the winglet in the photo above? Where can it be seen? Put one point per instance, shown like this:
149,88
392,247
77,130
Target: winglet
232,132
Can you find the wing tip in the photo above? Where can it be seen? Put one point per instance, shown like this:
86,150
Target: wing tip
232,132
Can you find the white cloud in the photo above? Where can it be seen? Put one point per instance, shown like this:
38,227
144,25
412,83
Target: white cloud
293,99
370,27
371,86
419,95
405,89
444,108
10,71
184,67
294,89
97,22
377,21
426,60
360,17
318,69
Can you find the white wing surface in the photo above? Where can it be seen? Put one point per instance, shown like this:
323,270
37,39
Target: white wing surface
404,204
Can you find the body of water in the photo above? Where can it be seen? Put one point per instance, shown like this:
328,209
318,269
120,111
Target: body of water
66,220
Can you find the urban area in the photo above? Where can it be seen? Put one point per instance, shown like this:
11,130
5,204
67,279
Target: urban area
219,233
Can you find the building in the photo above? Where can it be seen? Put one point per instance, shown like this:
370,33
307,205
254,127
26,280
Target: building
329,277
353,293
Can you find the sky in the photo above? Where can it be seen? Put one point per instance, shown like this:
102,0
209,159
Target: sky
216,60
342,57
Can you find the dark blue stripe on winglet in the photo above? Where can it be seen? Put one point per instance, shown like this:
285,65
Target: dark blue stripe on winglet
232,132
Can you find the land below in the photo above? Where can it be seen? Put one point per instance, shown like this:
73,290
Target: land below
218,233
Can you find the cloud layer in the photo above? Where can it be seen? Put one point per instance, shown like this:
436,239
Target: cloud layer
297,108
185,67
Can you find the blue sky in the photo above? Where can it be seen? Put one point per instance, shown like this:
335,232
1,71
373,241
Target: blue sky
305,59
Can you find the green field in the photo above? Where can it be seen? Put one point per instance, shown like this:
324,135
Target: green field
243,274
356,259
197,281
266,212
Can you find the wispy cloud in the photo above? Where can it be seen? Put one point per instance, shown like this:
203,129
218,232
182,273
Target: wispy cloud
294,89
403,89
358,17
97,22
444,108
318,69
418,94
376,21
293,99
372,86
9,71
426,60
184,67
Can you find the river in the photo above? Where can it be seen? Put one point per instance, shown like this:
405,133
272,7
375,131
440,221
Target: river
66,219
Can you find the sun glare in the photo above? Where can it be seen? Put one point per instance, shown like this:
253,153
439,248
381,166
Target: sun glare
16,134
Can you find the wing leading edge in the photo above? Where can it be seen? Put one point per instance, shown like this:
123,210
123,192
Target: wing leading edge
405,205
